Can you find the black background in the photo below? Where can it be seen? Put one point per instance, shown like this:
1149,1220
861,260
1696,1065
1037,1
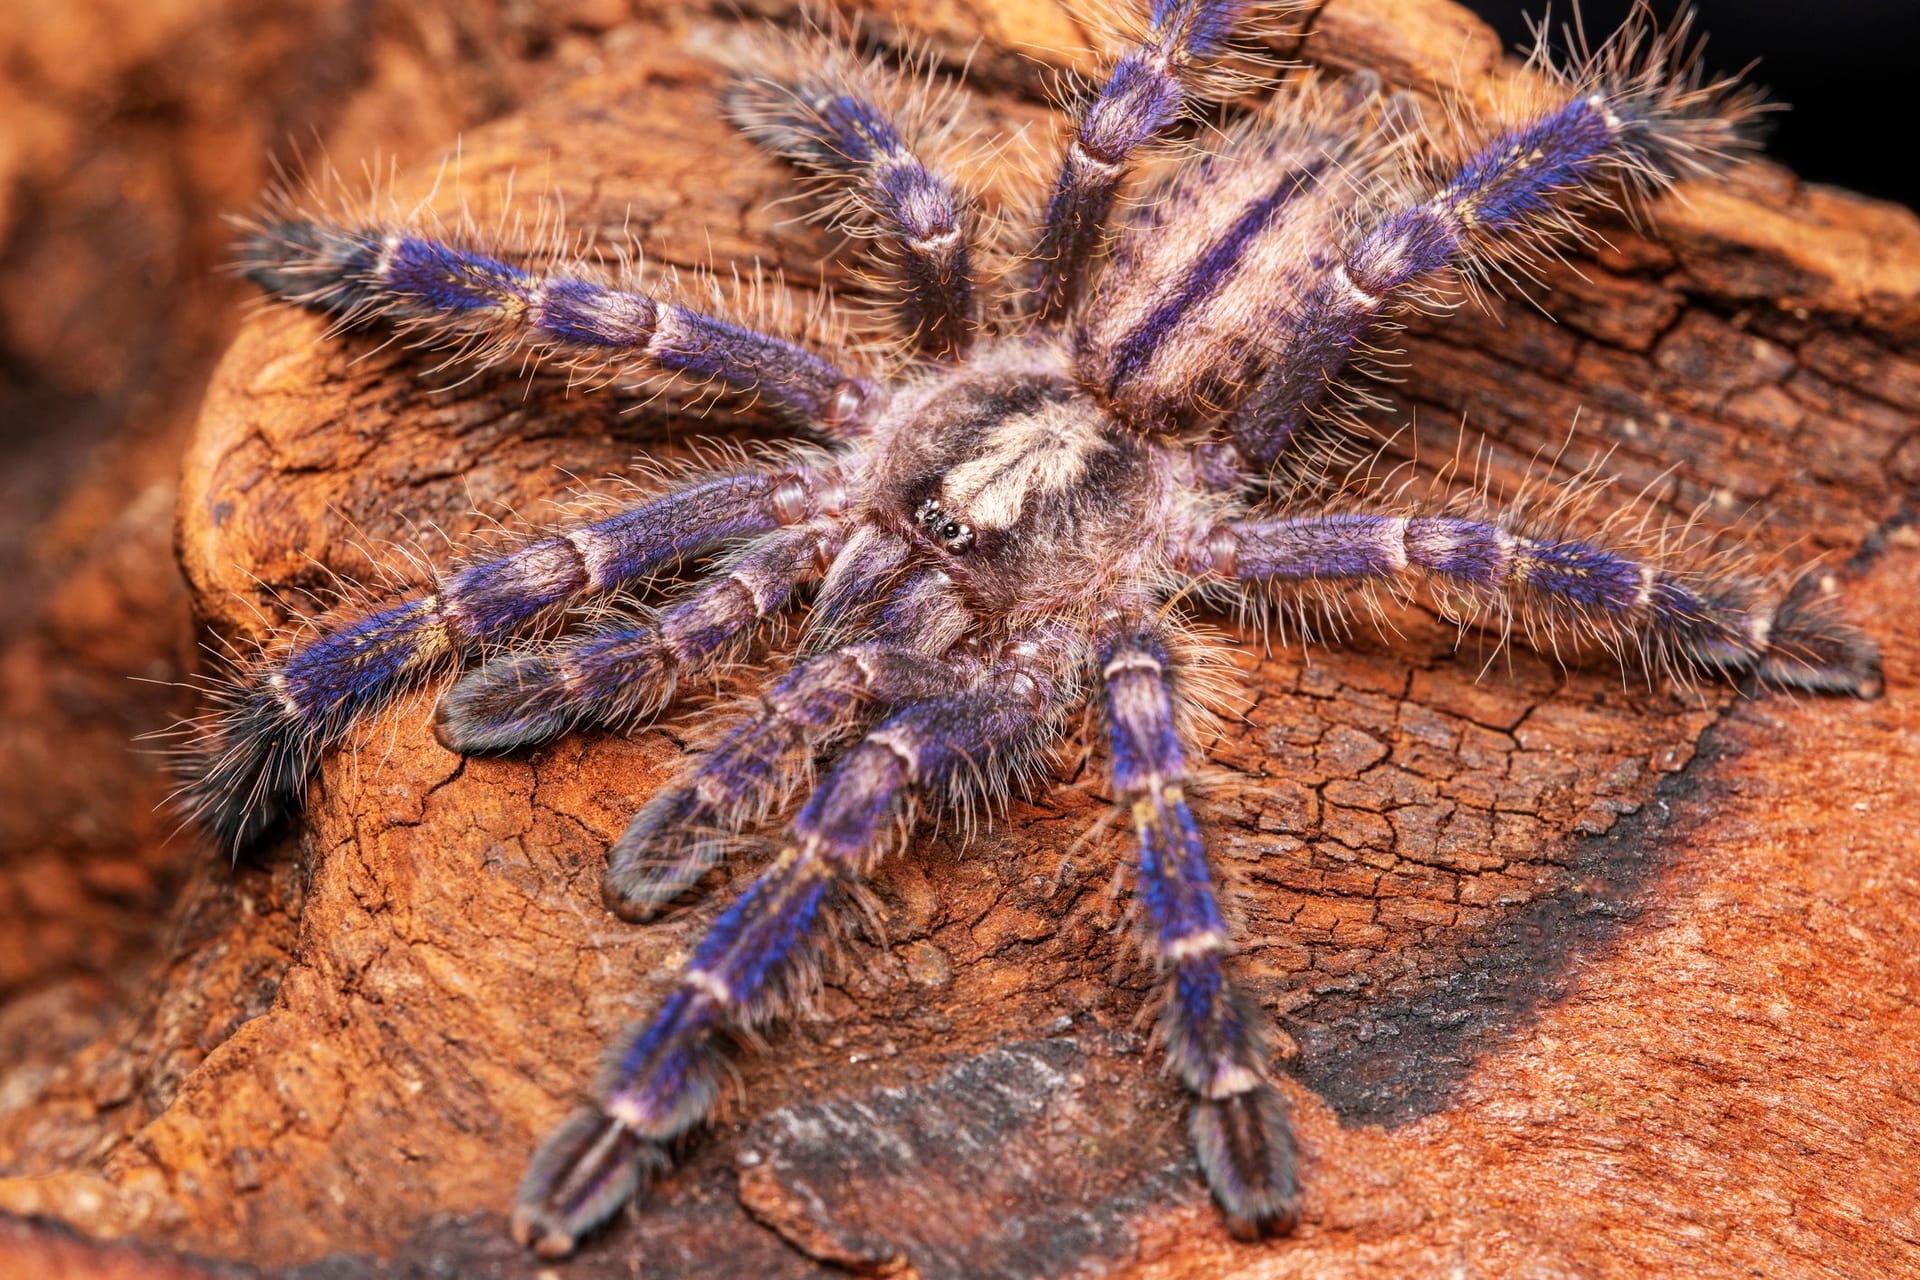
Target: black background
1849,69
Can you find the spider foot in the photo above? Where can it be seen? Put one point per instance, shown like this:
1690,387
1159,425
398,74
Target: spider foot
663,853
1245,1147
580,1177
1812,650
249,767
510,702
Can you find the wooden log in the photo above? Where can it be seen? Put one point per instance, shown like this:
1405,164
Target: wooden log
1582,977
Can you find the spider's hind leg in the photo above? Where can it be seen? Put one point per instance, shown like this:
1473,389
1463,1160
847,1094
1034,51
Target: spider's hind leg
1632,118
1677,621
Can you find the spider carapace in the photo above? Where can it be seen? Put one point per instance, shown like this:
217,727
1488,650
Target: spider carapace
1071,445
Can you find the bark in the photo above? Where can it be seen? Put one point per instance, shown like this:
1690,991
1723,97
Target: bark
1578,976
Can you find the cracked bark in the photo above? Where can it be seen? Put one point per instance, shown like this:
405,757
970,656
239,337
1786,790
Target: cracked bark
1580,976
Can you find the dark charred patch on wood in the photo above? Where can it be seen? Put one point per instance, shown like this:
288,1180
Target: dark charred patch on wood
1020,1162
1393,1060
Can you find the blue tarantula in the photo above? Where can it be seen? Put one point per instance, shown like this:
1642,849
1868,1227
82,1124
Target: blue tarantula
999,522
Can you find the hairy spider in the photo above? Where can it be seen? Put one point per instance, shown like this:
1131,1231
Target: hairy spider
1004,516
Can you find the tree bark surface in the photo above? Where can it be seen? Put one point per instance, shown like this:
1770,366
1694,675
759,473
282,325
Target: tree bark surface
1577,976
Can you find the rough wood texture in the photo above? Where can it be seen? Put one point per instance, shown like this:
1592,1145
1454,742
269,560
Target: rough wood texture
1583,978
132,129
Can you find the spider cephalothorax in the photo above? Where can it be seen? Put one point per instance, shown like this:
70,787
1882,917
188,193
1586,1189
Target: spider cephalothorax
1004,519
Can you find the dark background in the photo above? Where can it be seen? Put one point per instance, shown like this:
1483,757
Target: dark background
1847,70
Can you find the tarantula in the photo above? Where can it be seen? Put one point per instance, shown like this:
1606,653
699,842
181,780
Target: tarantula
1003,518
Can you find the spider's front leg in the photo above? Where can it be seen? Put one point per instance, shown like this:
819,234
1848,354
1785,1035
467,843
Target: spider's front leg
661,1079
445,295
1677,621
1214,1037
262,746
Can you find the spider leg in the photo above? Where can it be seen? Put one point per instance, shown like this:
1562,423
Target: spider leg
1679,621
448,295
868,569
1144,93
678,836
860,127
913,623
1637,116
621,674
661,1078
264,744
1215,1041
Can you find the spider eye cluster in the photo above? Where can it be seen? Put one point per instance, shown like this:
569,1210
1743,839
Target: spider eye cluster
954,535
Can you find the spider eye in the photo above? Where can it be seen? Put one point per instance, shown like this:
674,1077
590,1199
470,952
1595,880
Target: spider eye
955,536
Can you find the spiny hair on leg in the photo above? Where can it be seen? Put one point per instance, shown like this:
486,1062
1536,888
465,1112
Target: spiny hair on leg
889,150
277,713
526,291
1222,49
1713,607
1524,165
785,83
1679,120
1214,1038
1678,616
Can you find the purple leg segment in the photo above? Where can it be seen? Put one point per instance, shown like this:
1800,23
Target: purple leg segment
462,297
1524,186
660,1080
1144,94
1678,621
275,727
1214,1042
622,674
679,835
832,124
